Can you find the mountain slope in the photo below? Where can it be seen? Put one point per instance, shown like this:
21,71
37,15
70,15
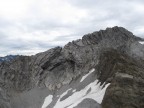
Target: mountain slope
103,69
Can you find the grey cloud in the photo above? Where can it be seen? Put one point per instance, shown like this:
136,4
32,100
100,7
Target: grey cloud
122,12
4,23
101,3
17,47
45,24
67,37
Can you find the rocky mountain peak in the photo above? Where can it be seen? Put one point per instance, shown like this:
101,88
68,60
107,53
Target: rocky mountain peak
111,34
107,64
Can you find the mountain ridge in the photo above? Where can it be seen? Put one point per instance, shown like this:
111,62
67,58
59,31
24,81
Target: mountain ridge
114,53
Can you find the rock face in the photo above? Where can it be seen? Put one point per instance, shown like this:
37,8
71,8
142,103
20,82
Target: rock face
114,54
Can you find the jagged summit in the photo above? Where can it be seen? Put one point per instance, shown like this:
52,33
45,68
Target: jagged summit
108,64
109,35
115,33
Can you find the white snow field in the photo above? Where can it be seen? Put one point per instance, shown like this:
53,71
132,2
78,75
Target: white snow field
47,101
92,91
96,93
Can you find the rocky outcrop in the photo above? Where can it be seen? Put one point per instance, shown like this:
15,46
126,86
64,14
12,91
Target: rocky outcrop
114,53
126,76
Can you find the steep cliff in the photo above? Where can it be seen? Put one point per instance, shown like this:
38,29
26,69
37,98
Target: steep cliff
103,69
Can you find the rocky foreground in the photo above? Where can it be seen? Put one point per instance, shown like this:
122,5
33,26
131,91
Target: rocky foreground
104,69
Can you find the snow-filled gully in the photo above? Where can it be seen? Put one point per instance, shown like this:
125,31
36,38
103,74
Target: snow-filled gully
96,93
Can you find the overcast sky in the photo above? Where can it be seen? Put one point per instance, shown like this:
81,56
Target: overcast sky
31,26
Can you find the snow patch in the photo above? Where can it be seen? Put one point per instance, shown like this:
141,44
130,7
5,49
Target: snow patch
47,101
141,42
74,90
91,71
97,93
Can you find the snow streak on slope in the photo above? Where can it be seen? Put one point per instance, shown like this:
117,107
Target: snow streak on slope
141,42
47,101
96,93
91,71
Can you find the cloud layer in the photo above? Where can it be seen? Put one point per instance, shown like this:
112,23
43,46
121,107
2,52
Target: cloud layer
30,26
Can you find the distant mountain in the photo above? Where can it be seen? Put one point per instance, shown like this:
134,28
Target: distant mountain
8,58
104,69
